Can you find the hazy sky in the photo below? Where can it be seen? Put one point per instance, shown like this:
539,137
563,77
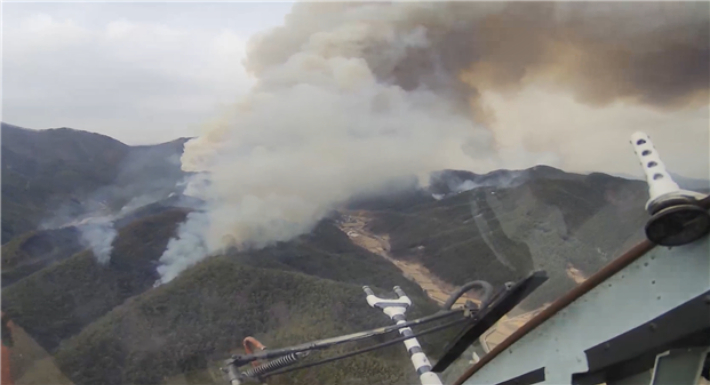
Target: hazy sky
138,72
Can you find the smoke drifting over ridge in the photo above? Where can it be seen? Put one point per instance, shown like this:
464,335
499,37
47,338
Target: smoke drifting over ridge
352,95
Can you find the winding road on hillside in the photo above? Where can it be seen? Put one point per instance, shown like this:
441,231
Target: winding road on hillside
354,224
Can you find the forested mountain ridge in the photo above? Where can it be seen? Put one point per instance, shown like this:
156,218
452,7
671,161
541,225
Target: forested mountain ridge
51,175
107,323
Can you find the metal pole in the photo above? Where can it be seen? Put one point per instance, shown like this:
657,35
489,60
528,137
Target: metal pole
233,374
395,309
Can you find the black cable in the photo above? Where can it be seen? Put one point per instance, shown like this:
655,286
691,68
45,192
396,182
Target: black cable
485,299
328,342
369,348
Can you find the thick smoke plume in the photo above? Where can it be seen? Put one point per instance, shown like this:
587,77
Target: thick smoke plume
654,53
352,95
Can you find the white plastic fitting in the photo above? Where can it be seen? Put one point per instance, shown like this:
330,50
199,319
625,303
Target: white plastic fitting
659,181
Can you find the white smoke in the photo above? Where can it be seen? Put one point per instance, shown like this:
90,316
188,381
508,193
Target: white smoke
319,131
96,225
502,182
96,228
186,250
350,96
98,235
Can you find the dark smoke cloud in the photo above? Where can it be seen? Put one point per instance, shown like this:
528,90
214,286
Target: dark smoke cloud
651,53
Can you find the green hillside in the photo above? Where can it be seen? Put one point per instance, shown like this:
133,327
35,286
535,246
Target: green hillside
501,234
78,297
60,300
328,253
65,172
42,170
202,315
107,324
32,251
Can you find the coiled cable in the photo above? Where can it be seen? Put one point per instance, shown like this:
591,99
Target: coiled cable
485,298
278,363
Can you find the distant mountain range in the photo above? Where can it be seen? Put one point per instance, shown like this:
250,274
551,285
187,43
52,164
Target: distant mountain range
52,176
73,306
106,323
539,218
692,184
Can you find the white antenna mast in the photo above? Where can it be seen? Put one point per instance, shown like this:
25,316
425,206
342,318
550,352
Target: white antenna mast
395,309
660,183
677,218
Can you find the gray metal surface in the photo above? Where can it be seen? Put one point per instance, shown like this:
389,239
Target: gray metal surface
654,284
643,378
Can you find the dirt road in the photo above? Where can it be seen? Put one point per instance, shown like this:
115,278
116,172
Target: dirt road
354,224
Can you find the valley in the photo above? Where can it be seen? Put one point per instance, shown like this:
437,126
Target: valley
355,225
87,322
